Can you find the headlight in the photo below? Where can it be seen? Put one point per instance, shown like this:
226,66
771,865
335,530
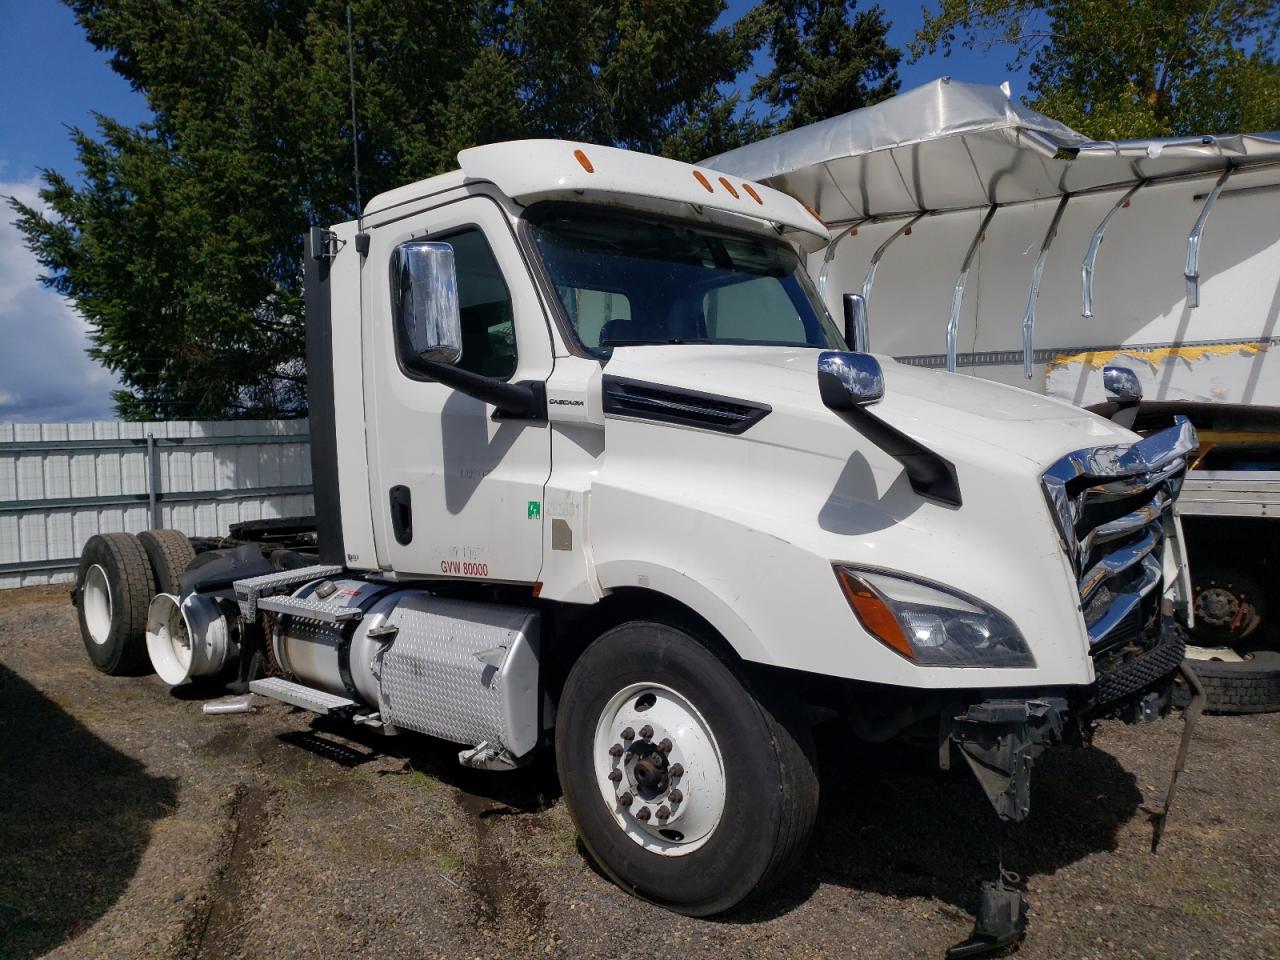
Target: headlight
930,625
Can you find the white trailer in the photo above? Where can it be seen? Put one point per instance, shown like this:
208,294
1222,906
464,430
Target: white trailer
993,241
594,468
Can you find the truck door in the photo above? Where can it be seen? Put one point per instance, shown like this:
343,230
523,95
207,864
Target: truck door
456,491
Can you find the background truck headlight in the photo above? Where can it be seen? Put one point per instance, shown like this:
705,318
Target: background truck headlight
930,625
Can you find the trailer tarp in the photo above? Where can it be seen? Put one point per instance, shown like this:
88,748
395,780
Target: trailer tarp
949,145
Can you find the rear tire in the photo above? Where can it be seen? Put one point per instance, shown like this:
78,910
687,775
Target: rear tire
750,786
170,553
114,586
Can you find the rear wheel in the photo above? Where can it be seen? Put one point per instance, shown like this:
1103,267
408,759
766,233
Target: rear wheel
114,586
170,553
688,787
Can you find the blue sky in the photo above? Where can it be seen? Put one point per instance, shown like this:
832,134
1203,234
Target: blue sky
54,79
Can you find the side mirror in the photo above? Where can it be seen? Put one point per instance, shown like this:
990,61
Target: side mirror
424,300
849,380
1121,384
856,332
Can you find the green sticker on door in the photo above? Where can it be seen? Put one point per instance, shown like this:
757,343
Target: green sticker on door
535,510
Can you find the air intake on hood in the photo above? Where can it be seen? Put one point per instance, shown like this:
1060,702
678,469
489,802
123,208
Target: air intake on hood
689,408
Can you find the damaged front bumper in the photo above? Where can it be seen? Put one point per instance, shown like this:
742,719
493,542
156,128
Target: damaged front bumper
1001,737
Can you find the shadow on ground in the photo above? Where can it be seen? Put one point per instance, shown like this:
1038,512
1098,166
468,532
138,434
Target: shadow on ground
893,824
890,822
75,818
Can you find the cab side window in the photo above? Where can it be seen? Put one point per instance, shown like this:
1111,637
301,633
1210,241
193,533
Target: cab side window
488,319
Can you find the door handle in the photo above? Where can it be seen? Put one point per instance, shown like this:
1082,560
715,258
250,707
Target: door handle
401,514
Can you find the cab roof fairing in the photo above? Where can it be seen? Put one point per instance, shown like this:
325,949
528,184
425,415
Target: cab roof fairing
949,145
533,170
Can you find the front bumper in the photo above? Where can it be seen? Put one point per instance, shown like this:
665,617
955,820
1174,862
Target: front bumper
1000,738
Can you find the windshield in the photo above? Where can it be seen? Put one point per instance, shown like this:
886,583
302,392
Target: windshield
626,279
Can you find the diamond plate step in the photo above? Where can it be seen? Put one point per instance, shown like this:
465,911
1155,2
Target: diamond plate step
309,698
249,590
309,608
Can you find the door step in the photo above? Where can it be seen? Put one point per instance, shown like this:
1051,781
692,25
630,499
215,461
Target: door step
250,590
308,698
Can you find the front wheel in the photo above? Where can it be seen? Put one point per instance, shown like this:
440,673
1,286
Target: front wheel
687,788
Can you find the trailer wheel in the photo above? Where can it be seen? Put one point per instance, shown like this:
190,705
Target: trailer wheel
170,553
1230,604
689,788
1249,685
114,586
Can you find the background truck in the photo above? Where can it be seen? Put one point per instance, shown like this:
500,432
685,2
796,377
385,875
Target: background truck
595,470
990,239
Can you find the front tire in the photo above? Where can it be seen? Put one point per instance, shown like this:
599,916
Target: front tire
712,797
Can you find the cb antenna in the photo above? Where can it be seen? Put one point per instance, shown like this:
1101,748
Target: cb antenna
355,136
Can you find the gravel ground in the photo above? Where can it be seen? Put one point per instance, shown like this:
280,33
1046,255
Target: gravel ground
131,825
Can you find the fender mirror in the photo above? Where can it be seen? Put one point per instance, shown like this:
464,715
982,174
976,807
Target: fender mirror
424,300
848,380
856,333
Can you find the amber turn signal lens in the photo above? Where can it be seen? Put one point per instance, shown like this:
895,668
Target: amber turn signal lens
874,613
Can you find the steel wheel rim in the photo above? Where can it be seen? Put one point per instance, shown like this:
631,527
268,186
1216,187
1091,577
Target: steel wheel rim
689,783
95,601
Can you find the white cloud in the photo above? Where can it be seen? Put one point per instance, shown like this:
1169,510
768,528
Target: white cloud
45,374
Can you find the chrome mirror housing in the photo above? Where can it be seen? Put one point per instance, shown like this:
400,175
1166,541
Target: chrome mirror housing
849,380
1121,384
424,300
856,332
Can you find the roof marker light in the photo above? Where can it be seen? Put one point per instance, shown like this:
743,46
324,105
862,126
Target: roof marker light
729,186
697,175
814,213
582,159
752,193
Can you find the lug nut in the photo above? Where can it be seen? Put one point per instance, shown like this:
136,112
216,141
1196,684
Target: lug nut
665,745
677,769
675,796
664,813
646,732
625,799
643,814
615,750
628,734
615,775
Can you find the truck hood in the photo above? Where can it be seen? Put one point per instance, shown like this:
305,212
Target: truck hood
933,407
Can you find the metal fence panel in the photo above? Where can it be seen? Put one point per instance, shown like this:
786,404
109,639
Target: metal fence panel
61,483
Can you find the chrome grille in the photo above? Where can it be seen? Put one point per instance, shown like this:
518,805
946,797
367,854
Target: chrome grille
1112,506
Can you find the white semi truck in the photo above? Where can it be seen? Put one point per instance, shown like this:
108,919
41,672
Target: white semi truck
595,471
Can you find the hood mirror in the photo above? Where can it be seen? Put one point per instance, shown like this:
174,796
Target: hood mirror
1121,384
849,380
424,300
856,333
